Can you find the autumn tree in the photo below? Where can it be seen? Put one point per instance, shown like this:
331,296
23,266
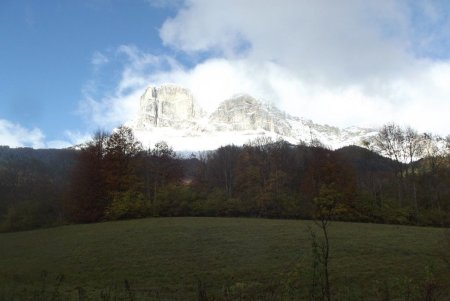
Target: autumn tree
325,168
435,169
265,173
88,195
121,152
222,168
122,158
250,179
161,168
104,175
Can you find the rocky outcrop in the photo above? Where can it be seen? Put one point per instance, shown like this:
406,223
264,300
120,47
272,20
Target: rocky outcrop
245,112
167,106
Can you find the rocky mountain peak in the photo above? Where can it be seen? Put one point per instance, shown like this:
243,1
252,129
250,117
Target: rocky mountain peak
244,112
170,113
167,106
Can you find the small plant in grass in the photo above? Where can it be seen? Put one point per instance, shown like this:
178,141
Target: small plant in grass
48,290
444,249
326,209
201,291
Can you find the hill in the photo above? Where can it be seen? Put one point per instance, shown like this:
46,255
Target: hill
33,180
167,258
363,160
275,179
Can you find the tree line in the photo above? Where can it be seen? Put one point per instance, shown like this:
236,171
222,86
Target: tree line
400,177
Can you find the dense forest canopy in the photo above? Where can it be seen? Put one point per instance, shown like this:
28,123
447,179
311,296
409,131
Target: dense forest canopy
399,177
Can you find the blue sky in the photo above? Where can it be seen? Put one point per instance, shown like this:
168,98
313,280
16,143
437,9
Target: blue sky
68,68
46,54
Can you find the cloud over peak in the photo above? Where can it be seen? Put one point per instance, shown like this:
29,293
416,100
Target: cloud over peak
344,63
328,40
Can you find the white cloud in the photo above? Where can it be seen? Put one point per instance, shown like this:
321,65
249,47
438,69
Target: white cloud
72,138
110,109
58,144
99,59
165,3
120,103
77,137
334,41
14,135
343,63
419,100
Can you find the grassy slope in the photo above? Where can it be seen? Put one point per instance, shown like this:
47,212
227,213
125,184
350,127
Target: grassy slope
167,254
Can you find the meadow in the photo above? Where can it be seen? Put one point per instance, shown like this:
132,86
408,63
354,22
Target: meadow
219,259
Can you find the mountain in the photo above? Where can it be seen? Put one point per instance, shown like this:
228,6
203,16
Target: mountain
167,106
170,113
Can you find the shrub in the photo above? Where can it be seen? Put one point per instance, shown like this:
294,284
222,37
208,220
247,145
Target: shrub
127,205
28,215
175,200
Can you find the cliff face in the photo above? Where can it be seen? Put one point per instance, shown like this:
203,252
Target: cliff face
244,112
170,113
167,106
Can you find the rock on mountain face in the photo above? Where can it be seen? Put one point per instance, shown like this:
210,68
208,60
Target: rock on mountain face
170,113
244,112
167,106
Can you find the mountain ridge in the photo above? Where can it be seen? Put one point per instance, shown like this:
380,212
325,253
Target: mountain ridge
171,113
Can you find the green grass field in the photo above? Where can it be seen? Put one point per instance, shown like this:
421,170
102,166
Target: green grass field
164,258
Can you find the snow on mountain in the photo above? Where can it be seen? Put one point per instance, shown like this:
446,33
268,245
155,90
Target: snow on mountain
170,113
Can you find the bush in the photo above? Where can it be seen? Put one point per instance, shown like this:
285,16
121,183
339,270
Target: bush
27,216
434,217
175,200
127,205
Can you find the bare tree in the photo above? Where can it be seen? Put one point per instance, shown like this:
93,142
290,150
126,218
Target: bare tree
413,145
436,157
412,150
390,142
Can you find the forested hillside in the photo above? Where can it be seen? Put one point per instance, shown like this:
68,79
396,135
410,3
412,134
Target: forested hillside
32,186
113,177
